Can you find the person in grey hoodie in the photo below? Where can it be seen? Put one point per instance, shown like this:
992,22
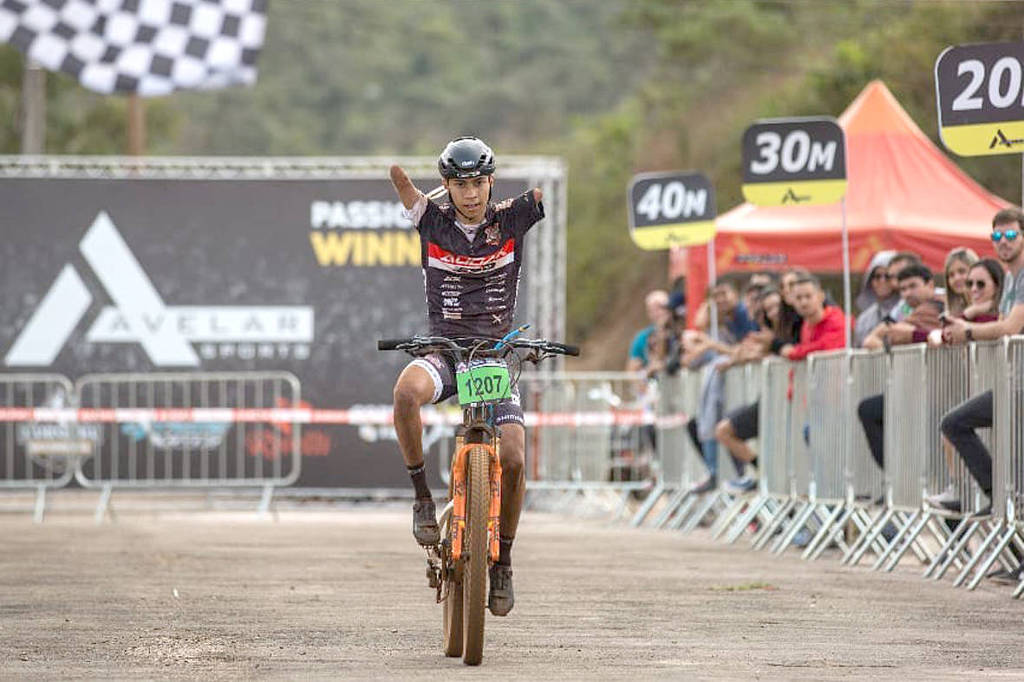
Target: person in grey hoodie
878,295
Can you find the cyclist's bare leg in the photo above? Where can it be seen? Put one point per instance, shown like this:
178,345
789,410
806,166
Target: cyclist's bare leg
413,390
513,488
513,477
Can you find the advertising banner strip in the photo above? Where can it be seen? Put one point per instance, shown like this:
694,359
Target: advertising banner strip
979,92
356,416
794,162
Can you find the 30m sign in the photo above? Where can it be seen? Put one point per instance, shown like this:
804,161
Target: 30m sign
671,209
980,96
794,161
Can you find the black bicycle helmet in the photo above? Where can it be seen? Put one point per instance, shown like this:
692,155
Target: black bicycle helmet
466,157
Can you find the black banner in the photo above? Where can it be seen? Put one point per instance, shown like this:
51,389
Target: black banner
142,275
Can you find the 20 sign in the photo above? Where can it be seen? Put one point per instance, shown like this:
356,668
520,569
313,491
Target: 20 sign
794,161
670,209
980,97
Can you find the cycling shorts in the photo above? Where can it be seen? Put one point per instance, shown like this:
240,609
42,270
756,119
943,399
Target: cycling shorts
441,369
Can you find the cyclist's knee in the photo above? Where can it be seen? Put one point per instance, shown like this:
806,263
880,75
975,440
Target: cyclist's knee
723,430
512,450
512,460
407,397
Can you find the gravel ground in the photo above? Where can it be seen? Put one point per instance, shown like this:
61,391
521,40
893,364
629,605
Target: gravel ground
341,594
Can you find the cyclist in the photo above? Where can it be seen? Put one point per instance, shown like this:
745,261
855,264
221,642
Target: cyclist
471,251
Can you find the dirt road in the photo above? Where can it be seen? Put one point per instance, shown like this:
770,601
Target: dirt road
342,595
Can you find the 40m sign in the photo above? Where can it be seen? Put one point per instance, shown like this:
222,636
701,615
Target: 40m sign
671,209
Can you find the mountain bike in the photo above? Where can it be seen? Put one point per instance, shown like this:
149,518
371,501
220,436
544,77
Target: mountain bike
487,371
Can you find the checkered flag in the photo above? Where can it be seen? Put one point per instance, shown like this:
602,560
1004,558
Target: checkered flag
143,47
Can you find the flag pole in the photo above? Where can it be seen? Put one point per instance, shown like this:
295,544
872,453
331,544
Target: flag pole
33,108
136,126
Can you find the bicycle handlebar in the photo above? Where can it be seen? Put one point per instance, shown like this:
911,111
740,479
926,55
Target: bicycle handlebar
418,343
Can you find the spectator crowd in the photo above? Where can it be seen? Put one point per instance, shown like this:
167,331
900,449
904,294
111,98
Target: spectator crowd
790,315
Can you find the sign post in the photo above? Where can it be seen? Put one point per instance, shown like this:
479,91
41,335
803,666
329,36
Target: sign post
674,209
799,162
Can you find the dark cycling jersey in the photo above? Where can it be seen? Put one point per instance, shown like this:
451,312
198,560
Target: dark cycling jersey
471,287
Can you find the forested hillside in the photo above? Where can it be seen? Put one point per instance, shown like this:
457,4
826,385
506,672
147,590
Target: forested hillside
614,86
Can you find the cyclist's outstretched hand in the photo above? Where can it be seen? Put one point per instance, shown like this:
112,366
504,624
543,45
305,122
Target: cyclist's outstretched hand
407,191
537,195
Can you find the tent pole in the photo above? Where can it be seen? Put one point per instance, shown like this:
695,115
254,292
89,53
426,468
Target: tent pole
846,275
712,280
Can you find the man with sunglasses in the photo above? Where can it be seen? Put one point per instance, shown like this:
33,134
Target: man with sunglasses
960,424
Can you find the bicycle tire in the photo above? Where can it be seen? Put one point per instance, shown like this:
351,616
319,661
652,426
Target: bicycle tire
474,576
451,610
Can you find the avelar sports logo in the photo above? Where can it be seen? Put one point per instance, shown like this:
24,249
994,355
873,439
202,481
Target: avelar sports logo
139,314
1000,139
791,196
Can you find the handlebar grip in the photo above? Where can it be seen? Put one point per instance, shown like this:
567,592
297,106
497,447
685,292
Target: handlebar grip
567,350
390,344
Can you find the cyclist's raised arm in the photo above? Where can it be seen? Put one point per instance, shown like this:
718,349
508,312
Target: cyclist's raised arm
407,191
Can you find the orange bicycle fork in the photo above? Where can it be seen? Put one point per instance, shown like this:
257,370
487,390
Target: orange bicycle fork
459,497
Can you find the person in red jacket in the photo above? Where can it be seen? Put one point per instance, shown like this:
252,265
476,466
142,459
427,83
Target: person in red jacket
824,326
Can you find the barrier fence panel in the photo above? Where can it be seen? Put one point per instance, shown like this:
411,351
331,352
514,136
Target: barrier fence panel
800,456
38,454
906,427
988,364
189,430
678,400
1008,463
828,416
1008,482
741,385
868,372
947,371
593,427
773,456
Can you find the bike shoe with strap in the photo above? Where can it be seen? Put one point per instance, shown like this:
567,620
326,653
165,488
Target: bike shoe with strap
424,523
500,600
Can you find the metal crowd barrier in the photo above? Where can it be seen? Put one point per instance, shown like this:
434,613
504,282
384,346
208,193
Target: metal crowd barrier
741,387
1008,481
817,473
138,451
38,455
1003,531
596,433
773,500
682,464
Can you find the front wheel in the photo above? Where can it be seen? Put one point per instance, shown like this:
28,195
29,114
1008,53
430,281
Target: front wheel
474,584
452,607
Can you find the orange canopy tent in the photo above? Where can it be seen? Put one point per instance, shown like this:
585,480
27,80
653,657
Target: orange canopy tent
902,193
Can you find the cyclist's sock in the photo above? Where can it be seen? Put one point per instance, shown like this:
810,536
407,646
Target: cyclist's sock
505,550
418,474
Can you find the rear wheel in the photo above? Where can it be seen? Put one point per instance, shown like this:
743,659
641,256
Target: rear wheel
474,583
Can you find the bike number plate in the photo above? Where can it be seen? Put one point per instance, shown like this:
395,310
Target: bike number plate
484,382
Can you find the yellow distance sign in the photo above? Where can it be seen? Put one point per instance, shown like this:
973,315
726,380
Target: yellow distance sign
794,162
980,98
671,209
